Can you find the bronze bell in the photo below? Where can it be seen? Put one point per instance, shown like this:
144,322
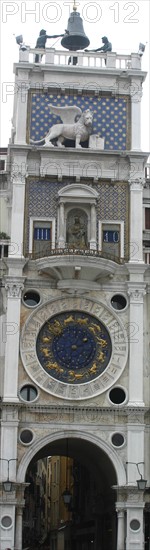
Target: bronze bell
76,38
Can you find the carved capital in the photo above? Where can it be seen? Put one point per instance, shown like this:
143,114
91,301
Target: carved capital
136,294
14,288
19,170
120,511
23,85
19,178
136,184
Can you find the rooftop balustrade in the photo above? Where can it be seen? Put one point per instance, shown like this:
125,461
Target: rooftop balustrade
90,60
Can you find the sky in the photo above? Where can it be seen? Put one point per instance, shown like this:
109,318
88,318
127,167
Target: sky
125,23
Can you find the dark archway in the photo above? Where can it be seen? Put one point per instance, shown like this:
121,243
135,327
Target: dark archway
90,522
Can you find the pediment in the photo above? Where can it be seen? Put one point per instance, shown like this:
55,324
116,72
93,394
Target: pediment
78,191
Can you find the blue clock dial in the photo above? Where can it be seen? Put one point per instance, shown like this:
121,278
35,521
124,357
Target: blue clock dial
74,347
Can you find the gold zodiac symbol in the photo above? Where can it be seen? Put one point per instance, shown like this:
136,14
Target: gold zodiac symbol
55,328
68,320
54,366
82,321
51,365
103,343
97,328
93,369
71,372
45,352
101,357
79,376
45,339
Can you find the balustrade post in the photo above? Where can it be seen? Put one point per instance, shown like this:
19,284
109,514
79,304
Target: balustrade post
49,56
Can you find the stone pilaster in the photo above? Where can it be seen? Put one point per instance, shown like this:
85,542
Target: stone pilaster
130,507
14,287
136,293
136,95
136,230
22,87
7,508
134,521
19,173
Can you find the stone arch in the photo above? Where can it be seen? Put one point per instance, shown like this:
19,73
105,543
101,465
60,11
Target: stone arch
74,433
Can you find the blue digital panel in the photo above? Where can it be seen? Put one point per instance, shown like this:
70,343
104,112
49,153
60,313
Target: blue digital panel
110,236
110,116
42,234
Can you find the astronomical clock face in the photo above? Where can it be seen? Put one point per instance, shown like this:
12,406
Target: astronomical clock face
74,348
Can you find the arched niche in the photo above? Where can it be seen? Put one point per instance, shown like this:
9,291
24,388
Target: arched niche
79,201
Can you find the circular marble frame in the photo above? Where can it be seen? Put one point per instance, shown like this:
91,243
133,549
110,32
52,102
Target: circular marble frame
60,389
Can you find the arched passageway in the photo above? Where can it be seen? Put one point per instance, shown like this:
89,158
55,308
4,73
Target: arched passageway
89,520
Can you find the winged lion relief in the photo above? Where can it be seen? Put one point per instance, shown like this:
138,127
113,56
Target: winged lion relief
76,125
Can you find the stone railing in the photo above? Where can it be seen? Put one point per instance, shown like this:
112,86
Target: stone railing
91,60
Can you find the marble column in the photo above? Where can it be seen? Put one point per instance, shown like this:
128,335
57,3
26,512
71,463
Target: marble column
120,529
18,530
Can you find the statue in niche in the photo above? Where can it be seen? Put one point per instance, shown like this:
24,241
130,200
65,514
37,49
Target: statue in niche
76,126
77,231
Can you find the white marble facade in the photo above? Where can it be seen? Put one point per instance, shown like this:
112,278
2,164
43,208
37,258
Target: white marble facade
78,279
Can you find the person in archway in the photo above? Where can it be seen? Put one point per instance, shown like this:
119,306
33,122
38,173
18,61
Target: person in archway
41,42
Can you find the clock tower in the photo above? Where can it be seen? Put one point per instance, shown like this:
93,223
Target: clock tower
76,365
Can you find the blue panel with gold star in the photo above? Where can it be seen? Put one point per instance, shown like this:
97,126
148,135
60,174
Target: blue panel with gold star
110,116
74,347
